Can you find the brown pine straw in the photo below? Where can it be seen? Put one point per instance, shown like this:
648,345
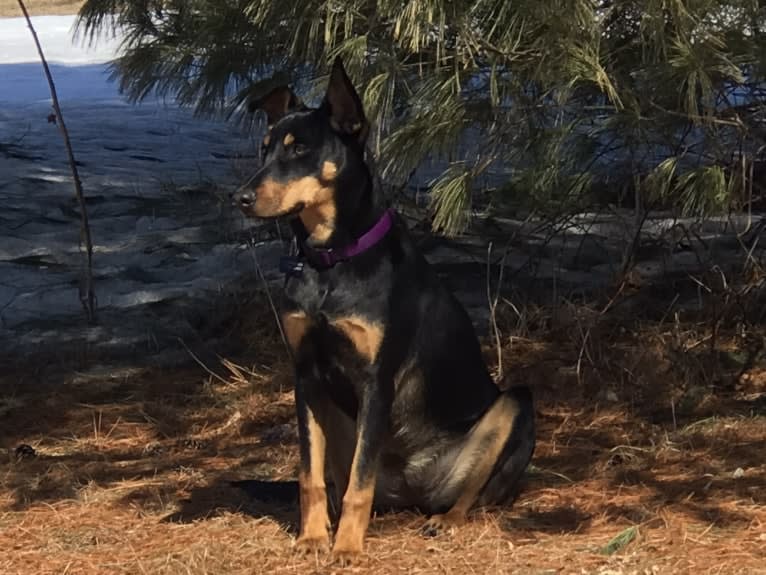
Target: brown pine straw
134,467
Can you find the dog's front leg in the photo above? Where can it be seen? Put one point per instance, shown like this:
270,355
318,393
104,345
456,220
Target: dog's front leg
315,522
372,422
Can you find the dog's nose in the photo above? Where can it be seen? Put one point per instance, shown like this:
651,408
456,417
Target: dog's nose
244,198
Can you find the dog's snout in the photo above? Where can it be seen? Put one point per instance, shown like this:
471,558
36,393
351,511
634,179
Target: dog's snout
245,198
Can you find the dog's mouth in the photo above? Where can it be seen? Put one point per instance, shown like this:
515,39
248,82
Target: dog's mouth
292,212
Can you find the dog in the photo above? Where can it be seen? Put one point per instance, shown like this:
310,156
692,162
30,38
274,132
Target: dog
392,395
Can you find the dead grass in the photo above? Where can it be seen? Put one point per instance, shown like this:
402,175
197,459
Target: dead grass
10,8
134,467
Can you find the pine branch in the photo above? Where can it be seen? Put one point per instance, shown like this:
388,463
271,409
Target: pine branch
637,81
87,295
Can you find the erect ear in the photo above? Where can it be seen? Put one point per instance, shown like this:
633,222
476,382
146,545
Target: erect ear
345,106
276,104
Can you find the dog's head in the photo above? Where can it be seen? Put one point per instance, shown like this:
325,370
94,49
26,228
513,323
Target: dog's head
313,158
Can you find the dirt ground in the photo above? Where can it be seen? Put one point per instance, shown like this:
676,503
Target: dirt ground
650,459
10,8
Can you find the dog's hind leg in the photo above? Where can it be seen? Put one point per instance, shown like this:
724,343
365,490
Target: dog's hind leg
516,454
501,433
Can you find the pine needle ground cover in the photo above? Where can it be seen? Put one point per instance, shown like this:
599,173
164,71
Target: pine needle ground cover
647,462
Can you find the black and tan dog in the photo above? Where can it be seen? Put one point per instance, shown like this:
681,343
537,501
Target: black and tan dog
391,390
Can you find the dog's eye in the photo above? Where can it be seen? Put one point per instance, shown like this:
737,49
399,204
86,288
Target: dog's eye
300,149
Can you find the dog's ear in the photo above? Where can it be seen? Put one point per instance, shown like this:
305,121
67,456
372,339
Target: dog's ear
277,103
344,104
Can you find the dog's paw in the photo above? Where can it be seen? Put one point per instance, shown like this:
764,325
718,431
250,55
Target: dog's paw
438,524
346,557
308,545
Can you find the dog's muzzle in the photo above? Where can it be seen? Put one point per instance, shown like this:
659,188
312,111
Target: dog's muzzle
244,198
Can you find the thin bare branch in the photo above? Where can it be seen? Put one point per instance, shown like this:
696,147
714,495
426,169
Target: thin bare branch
87,294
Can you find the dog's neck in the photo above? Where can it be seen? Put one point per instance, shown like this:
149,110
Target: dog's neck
350,226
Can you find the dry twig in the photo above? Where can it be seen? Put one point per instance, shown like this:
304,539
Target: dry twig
87,295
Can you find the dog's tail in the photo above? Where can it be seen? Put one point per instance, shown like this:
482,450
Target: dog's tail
517,452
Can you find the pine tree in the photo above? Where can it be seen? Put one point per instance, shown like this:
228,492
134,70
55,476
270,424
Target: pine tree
573,100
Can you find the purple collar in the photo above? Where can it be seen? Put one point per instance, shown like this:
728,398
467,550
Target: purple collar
328,257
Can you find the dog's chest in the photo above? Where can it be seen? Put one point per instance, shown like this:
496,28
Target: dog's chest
336,292
326,342
307,290
336,321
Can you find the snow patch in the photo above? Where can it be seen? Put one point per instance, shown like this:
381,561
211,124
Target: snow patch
56,36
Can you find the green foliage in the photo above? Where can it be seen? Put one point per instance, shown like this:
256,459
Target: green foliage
451,196
619,541
562,93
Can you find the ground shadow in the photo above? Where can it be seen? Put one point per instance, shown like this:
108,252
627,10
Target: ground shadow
277,500
553,521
